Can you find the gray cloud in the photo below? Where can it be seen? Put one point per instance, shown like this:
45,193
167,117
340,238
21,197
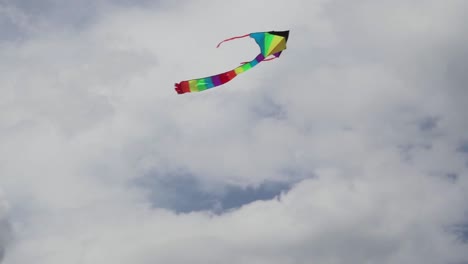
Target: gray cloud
5,228
185,193
22,19
5,236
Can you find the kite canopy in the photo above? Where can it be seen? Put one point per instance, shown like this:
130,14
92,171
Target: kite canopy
271,43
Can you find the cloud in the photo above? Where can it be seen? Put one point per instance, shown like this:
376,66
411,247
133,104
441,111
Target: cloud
185,193
5,227
22,19
361,121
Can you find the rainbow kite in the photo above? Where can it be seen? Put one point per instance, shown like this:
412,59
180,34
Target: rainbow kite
271,43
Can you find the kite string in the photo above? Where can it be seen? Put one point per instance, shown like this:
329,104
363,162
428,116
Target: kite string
237,37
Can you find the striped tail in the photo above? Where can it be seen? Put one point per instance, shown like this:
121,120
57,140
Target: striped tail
201,84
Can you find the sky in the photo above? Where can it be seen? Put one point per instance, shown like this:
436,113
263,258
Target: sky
349,148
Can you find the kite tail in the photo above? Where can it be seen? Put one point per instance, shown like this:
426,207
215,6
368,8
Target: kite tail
237,37
201,84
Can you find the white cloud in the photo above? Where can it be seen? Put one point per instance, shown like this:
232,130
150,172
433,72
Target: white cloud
87,113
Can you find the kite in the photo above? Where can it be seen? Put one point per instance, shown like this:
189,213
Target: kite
271,44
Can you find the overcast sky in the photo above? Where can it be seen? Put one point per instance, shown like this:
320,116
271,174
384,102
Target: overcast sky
350,148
